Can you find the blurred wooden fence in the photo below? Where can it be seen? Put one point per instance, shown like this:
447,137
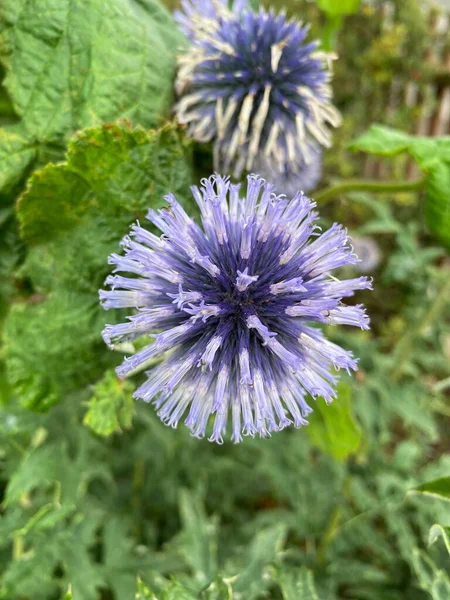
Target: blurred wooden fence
427,91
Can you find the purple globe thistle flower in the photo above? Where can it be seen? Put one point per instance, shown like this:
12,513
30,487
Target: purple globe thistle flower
253,84
196,13
233,307
304,176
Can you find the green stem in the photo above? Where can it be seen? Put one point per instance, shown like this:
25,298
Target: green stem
366,185
405,346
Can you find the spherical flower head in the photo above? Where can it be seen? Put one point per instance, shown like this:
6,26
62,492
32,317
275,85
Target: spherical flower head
304,176
232,307
253,83
195,14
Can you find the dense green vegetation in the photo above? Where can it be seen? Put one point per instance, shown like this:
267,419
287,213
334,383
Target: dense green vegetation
99,500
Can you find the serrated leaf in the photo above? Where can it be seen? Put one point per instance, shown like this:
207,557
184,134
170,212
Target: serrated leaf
50,347
41,465
333,428
263,550
82,208
64,73
16,153
110,170
111,406
438,488
199,538
438,531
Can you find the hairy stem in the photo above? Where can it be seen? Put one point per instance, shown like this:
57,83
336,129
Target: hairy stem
366,185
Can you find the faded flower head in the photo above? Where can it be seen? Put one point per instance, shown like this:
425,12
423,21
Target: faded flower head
305,177
230,306
253,84
369,253
195,13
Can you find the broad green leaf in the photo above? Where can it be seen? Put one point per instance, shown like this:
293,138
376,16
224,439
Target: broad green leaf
16,154
297,585
333,428
111,406
438,531
110,170
199,538
73,64
339,7
438,488
51,347
382,140
82,208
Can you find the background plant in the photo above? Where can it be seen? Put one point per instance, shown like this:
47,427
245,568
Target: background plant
99,499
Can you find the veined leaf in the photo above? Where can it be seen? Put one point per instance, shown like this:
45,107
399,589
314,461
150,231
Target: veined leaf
82,208
64,73
110,170
51,347
16,153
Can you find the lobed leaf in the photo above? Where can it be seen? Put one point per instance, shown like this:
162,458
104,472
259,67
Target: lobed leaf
111,407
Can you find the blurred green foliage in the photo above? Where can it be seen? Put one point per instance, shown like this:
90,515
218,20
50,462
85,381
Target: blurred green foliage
99,500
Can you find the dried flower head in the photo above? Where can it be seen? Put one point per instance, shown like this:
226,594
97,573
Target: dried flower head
253,84
194,14
305,177
369,253
230,307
